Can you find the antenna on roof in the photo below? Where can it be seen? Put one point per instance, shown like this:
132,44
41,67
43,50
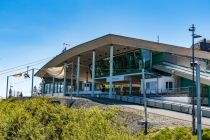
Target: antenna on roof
158,39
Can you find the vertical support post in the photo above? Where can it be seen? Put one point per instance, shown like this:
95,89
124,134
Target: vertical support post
199,136
72,73
130,89
53,86
110,70
7,86
43,87
87,77
145,101
32,82
64,80
193,81
209,97
78,74
93,72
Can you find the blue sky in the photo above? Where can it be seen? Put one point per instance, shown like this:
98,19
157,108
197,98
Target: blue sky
31,30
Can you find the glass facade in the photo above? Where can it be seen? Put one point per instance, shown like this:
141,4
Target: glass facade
125,63
48,89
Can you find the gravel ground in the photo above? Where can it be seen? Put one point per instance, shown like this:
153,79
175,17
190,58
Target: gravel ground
134,119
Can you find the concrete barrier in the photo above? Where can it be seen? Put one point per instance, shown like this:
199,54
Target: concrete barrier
167,105
130,99
158,104
176,107
151,103
142,100
179,107
137,100
185,108
124,98
114,97
206,112
118,97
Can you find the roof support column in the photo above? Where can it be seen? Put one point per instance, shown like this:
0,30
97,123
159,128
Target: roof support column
64,80
130,89
43,87
72,76
78,75
209,96
110,70
53,91
93,72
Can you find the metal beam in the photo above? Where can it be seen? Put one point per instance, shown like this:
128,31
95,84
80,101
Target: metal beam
72,74
93,72
130,90
64,80
53,87
209,97
32,82
78,74
199,125
111,70
7,86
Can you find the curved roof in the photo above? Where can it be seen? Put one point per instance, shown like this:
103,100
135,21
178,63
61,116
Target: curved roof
116,40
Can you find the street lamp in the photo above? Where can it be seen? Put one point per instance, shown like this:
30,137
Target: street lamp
144,95
192,29
26,75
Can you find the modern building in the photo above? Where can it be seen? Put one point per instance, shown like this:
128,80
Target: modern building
113,64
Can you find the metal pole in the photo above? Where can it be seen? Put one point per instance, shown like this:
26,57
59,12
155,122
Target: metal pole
78,74
198,102
7,86
145,101
110,71
130,90
64,80
53,86
32,82
93,72
43,87
193,81
72,73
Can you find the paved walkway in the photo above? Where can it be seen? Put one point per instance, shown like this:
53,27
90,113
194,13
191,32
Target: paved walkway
168,113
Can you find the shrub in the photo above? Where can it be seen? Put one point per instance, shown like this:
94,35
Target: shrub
40,119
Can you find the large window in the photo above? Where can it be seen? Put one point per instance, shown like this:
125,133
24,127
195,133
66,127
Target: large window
128,62
146,58
169,85
151,85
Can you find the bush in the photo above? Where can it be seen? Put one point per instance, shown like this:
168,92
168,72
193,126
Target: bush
40,119
178,133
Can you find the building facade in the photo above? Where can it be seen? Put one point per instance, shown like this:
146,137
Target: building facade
113,64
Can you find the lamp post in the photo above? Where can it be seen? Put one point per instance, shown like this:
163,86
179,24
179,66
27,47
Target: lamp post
199,115
7,86
32,82
192,29
144,94
72,76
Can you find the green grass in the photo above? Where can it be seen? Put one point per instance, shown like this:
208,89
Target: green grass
39,119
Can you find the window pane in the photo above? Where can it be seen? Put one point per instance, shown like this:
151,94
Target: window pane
170,85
